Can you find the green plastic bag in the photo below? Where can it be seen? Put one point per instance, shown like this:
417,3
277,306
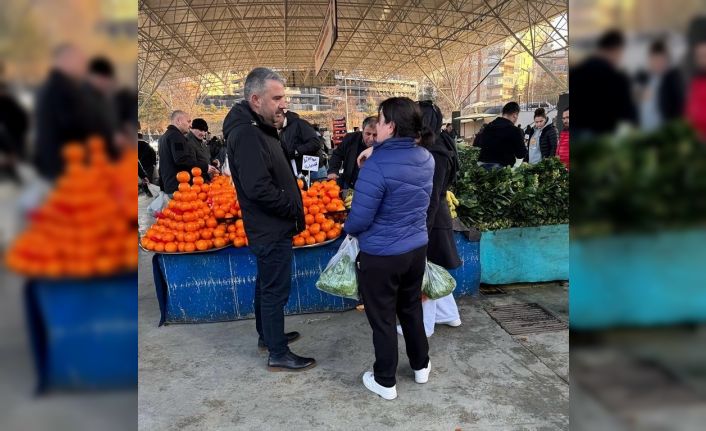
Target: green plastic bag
339,277
438,282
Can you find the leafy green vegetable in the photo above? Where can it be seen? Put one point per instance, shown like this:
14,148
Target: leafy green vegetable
531,195
340,279
438,282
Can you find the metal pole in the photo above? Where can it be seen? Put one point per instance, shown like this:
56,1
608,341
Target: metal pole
345,89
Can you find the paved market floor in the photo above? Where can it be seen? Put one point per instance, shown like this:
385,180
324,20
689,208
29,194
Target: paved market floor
212,377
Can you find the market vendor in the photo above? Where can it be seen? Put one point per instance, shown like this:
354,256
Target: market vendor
345,155
196,140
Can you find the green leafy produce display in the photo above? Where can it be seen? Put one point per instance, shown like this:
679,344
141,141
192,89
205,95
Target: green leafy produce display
638,182
531,195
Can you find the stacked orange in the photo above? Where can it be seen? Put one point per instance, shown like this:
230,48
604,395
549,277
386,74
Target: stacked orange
223,200
321,198
85,227
187,224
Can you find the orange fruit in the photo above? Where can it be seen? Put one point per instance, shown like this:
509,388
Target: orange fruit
331,234
184,187
326,226
189,247
183,177
219,242
201,245
219,213
309,219
300,184
332,207
320,218
198,181
232,228
180,246
219,233
240,233
320,237
232,236
207,234
326,200
299,241
170,247
315,228
204,187
211,222
310,240
305,234
239,242
312,192
159,247
202,196
239,224
314,209
196,172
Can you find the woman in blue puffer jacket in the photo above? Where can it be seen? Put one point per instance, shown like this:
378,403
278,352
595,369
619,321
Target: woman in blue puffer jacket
388,216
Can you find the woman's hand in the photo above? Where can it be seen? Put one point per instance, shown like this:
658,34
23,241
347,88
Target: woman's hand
364,156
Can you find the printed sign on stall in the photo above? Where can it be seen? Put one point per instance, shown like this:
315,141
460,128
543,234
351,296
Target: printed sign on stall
310,163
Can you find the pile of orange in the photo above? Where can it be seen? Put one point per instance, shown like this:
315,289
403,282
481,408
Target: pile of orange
187,224
88,223
321,198
223,199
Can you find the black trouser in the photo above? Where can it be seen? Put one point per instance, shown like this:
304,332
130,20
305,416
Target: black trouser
272,286
393,285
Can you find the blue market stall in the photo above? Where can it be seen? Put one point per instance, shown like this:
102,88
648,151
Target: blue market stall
83,332
219,286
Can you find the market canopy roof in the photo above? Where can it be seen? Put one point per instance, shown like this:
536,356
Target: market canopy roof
210,39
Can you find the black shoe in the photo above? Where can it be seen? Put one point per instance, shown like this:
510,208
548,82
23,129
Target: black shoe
291,337
290,362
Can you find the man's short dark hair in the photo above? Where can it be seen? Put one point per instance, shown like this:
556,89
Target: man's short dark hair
540,112
658,47
610,40
511,108
370,121
101,66
256,80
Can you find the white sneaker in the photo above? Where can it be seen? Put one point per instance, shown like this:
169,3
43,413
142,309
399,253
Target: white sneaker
454,323
373,386
422,376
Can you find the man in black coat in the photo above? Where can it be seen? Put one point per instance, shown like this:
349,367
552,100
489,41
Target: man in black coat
543,139
61,110
102,113
195,139
299,139
501,142
346,154
661,89
175,154
604,91
272,207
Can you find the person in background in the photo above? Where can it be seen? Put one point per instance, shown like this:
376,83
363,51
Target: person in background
346,154
388,217
696,99
147,158
61,110
99,92
15,120
543,139
195,138
299,139
563,149
441,249
218,152
451,131
501,143
660,89
602,87
175,153
273,211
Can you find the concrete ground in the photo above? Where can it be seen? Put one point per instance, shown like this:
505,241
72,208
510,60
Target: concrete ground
212,377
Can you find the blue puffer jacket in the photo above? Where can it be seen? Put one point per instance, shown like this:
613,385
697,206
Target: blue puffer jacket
389,210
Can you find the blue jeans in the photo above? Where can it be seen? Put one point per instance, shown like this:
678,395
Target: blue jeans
321,173
272,287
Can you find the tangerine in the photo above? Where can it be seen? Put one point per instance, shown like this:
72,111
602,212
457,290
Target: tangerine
198,181
310,240
315,228
184,187
331,234
196,171
183,177
202,245
170,247
189,247
314,209
320,237
299,241
309,219
219,242
320,218
239,242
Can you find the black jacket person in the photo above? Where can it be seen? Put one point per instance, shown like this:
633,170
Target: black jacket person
299,139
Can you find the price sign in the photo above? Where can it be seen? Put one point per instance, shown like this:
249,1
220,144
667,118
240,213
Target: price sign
310,163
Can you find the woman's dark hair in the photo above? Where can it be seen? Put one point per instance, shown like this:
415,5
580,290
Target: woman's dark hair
540,112
407,118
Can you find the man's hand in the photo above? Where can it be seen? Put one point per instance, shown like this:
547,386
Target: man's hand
365,155
212,170
332,176
217,163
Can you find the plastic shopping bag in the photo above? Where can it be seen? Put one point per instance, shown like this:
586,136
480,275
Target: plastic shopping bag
438,282
158,203
339,277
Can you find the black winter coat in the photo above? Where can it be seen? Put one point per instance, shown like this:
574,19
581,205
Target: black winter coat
267,189
346,155
501,142
441,249
547,141
299,139
202,154
60,118
148,159
175,154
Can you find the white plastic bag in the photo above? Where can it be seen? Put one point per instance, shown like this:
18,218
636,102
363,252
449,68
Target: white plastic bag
158,203
339,277
438,282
